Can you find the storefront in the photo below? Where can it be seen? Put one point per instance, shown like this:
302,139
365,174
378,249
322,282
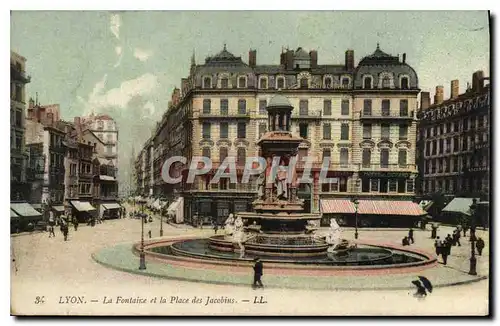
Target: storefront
83,210
110,210
386,182
23,217
373,213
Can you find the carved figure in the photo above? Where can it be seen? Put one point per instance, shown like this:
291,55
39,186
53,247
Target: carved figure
333,237
261,183
229,225
281,186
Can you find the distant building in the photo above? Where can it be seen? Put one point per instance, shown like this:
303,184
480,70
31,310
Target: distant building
19,188
454,141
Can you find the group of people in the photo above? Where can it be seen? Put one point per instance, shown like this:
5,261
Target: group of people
408,239
443,247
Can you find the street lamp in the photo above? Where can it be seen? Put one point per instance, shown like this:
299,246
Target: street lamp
473,262
356,204
142,259
161,220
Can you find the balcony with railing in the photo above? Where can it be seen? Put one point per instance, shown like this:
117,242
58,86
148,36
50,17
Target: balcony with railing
398,167
224,115
19,75
383,114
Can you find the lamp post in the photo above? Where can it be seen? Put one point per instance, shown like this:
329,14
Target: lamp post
161,221
473,262
142,259
356,204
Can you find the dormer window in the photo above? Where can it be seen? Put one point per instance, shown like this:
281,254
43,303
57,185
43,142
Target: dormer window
345,82
207,82
328,82
368,82
263,82
404,83
304,83
242,82
280,83
224,83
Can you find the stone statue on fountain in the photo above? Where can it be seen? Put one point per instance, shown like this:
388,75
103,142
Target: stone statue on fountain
261,184
239,234
229,225
281,182
333,236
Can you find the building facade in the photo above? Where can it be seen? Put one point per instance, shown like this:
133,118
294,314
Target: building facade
105,128
454,141
20,189
362,117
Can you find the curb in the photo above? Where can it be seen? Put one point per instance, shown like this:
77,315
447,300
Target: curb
185,279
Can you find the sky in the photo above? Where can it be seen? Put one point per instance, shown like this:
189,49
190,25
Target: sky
127,63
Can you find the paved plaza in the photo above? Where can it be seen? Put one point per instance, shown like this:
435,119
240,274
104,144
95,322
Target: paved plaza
52,268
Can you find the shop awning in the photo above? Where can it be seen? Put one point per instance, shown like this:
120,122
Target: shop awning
24,210
37,206
106,178
13,214
372,207
59,208
111,206
459,205
82,206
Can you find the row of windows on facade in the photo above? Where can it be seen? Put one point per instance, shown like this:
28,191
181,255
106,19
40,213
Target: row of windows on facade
304,131
16,140
16,92
279,82
385,185
303,107
385,108
452,164
387,82
444,128
440,146
343,158
450,185
16,118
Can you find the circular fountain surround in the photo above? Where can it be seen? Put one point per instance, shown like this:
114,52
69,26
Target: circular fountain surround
363,256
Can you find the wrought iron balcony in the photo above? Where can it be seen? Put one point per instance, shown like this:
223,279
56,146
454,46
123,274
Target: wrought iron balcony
224,115
386,115
388,167
19,75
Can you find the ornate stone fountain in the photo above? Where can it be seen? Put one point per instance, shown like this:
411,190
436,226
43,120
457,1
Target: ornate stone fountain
279,226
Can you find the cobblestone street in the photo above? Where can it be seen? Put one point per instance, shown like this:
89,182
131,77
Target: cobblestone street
52,268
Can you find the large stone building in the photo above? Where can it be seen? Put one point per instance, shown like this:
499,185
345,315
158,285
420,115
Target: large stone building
363,117
454,141
20,189
105,128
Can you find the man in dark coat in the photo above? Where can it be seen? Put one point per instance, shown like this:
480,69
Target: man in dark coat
446,249
257,273
410,236
480,246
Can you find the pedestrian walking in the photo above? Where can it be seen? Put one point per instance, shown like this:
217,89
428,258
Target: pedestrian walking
438,244
456,237
149,234
52,234
433,231
446,251
480,246
75,223
216,227
258,271
464,229
65,230
410,236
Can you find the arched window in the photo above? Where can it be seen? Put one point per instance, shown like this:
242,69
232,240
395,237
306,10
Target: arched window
328,82
386,82
345,82
206,152
242,82
367,82
224,83
344,156
304,83
207,82
280,83
404,83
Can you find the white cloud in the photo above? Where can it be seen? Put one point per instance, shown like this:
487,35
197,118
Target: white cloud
149,109
120,97
115,23
141,54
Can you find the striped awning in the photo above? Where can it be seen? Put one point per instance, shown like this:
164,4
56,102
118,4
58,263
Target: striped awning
372,207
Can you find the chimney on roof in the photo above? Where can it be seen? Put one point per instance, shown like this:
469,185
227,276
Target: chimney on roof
425,100
349,59
477,81
314,58
404,57
252,58
289,59
439,96
454,89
